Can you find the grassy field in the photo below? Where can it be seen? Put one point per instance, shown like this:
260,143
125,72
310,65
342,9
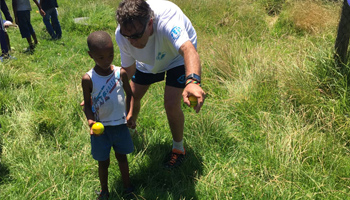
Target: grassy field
275,124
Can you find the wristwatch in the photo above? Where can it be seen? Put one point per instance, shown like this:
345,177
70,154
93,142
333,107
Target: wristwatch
195,77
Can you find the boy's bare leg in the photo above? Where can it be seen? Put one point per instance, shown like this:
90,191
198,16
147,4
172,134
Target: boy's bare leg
103,174
124,169
35,39
29,40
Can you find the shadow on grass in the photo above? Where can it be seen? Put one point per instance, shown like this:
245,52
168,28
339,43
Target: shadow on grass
153,181
4,171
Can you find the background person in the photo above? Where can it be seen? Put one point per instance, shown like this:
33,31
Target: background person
4,38
53,27
21,10
8,17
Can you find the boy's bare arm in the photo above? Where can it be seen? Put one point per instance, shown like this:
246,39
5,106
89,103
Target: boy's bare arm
129,98
87,88
14,7
42,12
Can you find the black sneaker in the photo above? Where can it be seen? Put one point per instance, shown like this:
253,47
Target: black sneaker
174,159
129,192
102,195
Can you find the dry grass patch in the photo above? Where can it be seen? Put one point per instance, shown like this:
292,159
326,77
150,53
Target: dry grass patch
313,16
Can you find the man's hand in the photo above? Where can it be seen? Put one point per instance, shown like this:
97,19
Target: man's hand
194,90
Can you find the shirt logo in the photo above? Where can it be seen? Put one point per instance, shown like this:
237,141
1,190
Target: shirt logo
103,95
176,32
160,55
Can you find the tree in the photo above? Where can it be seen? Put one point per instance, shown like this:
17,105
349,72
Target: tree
342,40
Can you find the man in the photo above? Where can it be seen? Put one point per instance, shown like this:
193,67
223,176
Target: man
156,39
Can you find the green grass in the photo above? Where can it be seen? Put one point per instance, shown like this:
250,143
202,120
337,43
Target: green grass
275,124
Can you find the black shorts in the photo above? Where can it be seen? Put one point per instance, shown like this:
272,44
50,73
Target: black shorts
175,77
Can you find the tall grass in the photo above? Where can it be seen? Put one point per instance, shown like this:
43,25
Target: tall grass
275,124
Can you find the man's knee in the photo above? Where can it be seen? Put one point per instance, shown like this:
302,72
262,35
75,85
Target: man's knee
172,105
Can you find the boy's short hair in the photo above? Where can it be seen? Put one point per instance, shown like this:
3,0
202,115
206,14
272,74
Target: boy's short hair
98,40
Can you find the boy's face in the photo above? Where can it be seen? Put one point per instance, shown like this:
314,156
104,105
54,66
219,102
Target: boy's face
103,57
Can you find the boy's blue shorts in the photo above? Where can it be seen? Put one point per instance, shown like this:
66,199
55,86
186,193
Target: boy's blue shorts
117,137
25,27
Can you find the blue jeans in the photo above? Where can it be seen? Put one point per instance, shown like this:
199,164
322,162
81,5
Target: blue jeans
3,41
54,29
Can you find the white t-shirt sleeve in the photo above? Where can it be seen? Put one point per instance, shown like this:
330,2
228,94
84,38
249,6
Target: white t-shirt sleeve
126,59
174,29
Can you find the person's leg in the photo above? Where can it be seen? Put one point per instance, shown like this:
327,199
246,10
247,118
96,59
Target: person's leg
4,47
124,169
29,40
8,41
56,24
34,38
3,40
23,23
103,174
31,29
139,91
175,82
176,119
139,85
46,20
172,104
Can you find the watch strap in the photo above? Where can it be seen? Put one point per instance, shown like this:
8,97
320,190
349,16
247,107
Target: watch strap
194,76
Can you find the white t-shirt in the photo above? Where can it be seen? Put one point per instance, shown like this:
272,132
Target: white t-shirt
171,29
108,98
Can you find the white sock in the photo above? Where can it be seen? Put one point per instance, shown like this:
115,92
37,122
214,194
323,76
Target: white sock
179,145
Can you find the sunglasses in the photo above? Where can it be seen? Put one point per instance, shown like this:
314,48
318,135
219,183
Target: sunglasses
136,35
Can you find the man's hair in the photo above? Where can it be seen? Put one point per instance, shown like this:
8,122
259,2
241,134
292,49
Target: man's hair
130,11
98,40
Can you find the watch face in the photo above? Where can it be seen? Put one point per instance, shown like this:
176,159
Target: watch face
194,76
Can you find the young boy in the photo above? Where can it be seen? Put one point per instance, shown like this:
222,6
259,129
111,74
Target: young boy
4,38
8,18
54,28
103,89
3,41
21,10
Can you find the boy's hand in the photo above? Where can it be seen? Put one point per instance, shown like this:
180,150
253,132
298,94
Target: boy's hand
42,12
91,131
130,122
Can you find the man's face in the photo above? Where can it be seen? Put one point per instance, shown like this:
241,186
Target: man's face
137,34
